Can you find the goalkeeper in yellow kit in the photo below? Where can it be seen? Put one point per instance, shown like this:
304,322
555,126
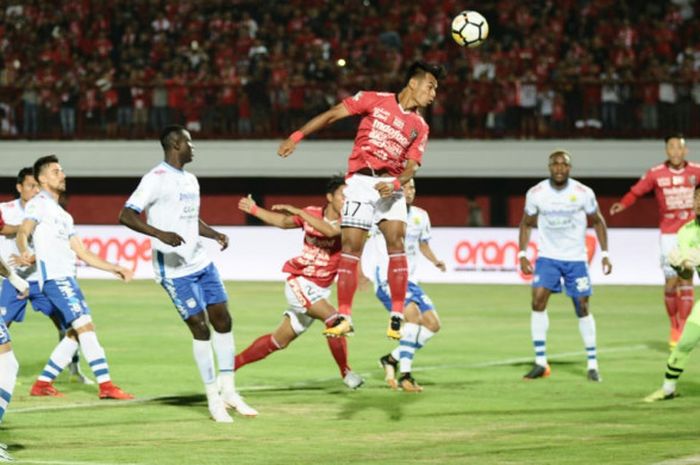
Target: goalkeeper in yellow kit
684,259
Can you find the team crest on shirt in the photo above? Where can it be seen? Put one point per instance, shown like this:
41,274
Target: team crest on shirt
693,180
416,220
572,197
414,134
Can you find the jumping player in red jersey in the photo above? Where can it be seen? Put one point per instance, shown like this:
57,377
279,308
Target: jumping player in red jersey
387,152
310,277
673,183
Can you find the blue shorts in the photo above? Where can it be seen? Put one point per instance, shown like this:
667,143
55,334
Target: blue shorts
67,298
12,308
549,274
4,333
414,294
193,293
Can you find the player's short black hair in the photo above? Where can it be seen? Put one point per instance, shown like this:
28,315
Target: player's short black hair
421,68
563,152
169,135
41,163
676,135
23,173
334,183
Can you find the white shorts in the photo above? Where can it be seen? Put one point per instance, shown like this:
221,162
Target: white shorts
301,294
668,243
364,207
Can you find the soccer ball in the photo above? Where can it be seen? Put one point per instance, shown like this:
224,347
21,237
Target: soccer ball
469,29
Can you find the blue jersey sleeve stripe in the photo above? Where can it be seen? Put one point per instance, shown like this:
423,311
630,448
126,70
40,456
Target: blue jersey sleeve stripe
133,207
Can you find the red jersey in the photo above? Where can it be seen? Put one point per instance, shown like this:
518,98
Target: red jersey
319,258
673,190
388,135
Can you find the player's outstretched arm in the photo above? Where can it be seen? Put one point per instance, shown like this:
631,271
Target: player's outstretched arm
317,123
211,233
524,231
601,230
132,220
327,229
427,252
95,261
280,220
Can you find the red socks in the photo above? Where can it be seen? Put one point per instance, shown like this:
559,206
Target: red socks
347,282
398,281
258,350
684,304
339,349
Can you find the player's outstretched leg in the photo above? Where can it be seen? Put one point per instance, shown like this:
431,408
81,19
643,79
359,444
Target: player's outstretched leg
539,324
339,350
58,360
257,350
676,362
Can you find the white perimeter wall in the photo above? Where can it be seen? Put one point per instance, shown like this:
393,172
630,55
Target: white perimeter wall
472,255
443,158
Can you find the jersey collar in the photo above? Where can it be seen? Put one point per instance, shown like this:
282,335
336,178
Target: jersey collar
171,167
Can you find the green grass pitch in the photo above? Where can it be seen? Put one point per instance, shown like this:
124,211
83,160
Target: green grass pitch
475,408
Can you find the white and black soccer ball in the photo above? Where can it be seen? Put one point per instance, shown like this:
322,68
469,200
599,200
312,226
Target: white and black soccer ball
469,29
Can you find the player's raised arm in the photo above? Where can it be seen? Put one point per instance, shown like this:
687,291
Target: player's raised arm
280,220
524,231
601,230
132,220
318,122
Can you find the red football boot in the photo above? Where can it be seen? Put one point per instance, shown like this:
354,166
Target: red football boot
44,389
110,391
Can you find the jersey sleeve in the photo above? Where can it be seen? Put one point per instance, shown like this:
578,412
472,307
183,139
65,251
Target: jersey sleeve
34,210
425,234
362,102
590,204
645,184
417,148
531,208
144,195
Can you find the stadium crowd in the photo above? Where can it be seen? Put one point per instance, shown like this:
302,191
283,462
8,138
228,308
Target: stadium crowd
124,68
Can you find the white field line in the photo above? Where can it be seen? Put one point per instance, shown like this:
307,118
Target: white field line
64,462
303,384
689,460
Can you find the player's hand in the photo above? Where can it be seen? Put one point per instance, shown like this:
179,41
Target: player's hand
170,238
284,208
246,204
122,273
222,240
286,148
385,189
26,259
617,207
607,266
525,266
440,265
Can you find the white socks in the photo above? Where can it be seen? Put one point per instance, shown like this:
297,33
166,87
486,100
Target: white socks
204,358
224,349
60,358
407,346
586,327
95,356
8,378
539,324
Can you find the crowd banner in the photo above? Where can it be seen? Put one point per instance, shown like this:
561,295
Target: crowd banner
472,255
